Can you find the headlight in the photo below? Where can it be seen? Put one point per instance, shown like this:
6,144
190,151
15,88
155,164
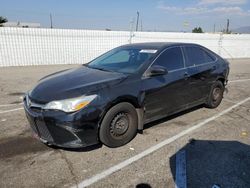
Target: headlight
70,105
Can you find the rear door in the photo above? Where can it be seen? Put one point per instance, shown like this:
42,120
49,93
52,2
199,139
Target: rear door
200,67
166,94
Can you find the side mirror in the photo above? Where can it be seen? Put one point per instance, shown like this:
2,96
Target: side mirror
156,71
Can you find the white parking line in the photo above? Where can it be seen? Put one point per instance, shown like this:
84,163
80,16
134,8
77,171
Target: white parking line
230,101
154,148
242,80
12,110
6,105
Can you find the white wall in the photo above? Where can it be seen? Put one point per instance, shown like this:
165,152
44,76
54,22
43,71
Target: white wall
33,46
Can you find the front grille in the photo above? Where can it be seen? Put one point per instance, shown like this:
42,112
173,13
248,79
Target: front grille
36,109
43,130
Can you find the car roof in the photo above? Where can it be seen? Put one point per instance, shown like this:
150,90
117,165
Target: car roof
156,45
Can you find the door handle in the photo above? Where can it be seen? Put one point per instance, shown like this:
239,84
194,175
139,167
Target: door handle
186,75
203,78
214,68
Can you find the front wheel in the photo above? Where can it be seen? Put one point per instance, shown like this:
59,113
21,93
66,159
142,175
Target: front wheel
119,125
216,95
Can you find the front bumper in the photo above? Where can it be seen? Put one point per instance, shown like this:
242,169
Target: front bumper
67,130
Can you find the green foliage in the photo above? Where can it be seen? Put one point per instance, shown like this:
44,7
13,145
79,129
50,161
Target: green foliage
197,30
2,20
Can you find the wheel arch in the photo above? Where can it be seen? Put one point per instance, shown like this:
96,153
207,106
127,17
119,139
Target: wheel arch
221,79
129,99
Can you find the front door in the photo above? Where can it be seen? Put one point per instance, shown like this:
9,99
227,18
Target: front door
165,94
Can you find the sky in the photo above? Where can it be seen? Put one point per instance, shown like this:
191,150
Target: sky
155,15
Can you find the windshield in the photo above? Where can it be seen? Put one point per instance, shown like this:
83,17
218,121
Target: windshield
122,60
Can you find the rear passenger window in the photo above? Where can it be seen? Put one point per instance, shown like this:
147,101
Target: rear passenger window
197,56
172,59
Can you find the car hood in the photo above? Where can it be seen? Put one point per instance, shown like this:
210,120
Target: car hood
73,83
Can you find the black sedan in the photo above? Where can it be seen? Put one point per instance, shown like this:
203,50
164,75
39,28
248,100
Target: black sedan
109,99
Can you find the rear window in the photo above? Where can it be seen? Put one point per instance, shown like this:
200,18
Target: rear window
197,56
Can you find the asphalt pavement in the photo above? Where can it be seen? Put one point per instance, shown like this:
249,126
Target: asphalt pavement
216,143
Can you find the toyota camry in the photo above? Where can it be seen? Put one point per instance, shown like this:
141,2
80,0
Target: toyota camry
111,98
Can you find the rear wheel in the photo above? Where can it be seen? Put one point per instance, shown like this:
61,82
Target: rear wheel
119,126
216,95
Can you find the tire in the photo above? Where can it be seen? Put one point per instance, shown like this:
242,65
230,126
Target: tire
119,125
216,95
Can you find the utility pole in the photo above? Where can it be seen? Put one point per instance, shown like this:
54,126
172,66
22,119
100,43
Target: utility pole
214,28
137,22
227,30
51,23
131,30
141,24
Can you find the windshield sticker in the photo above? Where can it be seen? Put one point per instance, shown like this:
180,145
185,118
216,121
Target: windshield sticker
148,51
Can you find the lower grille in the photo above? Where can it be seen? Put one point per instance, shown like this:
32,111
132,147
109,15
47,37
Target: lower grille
33,127
43,130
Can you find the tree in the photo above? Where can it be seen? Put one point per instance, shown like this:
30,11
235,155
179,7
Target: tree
2,20
197,30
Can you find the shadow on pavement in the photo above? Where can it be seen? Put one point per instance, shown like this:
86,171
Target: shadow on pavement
20,145
209,163
84,149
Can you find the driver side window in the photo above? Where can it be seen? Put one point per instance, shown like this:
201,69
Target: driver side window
171,59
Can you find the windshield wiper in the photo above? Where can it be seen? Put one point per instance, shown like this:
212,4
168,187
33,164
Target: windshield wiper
100,68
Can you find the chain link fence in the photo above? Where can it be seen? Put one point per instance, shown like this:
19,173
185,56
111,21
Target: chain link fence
37,46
